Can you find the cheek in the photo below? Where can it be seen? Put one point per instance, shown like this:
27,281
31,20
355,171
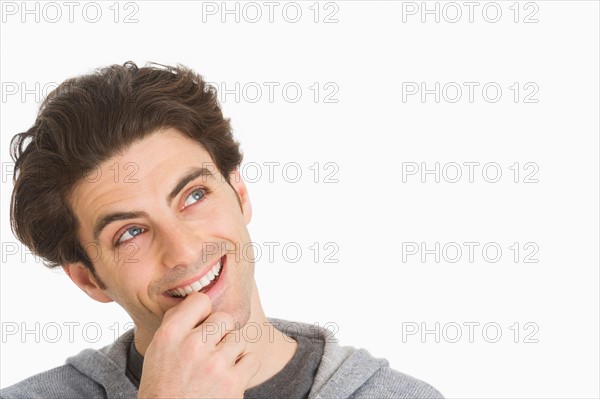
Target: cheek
220,221
132,277
132,291
130,254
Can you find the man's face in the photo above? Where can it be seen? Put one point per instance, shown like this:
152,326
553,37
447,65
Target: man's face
150,225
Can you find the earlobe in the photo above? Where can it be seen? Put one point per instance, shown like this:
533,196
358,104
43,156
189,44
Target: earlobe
242,192
84,279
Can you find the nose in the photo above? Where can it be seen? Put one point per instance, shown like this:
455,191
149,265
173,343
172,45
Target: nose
181,245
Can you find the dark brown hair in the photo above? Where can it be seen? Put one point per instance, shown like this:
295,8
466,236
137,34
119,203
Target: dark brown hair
87,120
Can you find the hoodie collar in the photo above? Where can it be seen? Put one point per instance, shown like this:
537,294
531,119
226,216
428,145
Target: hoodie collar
341,372
107,367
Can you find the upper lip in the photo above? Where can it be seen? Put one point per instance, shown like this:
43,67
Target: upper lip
198,277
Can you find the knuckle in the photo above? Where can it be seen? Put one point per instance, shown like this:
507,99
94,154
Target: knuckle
219,364
170,312
164,334
192,347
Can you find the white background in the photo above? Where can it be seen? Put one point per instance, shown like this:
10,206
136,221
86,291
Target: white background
370,134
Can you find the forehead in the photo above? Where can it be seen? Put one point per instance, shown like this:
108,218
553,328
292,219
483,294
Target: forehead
148,169
158,147
158,154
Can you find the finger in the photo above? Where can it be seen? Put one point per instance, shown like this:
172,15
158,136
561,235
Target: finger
247,366
190,312
214,328
232,346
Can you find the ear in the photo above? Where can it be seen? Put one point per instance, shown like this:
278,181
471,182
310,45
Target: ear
242,192
84,279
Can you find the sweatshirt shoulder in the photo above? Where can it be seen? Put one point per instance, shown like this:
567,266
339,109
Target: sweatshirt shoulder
359,375
60,382
389,383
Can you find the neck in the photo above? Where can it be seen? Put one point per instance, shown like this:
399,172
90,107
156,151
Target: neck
274,348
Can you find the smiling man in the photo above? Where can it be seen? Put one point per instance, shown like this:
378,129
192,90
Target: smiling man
139,200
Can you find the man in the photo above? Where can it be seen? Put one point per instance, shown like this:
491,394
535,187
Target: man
129,181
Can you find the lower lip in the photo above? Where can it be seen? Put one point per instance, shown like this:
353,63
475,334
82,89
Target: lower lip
209,288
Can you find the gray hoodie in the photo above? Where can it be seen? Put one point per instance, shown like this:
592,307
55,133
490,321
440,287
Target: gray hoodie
344,372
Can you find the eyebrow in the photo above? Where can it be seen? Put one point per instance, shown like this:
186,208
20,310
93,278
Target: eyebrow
192,174
107,219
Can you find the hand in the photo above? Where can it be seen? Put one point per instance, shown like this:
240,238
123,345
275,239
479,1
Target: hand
194,355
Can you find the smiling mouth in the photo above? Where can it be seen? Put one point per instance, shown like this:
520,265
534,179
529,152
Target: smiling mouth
203,284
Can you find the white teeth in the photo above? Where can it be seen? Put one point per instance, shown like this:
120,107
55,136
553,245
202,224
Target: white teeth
197,285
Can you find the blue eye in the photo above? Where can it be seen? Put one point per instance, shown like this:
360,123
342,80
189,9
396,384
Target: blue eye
132,231
194,197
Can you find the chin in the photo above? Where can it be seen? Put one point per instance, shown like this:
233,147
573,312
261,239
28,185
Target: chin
240,313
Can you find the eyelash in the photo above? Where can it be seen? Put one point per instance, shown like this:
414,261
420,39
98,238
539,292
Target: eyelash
121,233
